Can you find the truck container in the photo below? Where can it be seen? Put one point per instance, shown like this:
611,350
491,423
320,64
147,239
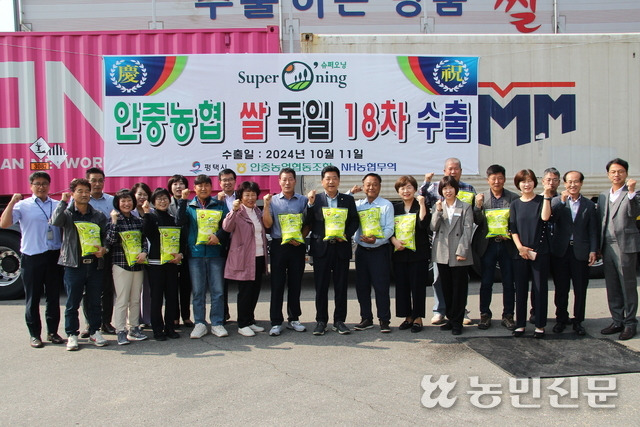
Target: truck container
567,101
51,108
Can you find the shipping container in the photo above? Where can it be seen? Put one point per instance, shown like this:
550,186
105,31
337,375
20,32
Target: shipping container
295,17
567,101
51,97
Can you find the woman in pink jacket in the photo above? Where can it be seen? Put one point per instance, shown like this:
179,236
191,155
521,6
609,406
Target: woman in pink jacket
247,253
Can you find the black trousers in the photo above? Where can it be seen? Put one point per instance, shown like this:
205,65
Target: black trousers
538,271
411,288
568,269
42,274
107,295
248,293
455,287
163,280
324,268
184,291
373,269
287,269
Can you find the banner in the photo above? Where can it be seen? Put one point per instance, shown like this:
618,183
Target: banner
258,113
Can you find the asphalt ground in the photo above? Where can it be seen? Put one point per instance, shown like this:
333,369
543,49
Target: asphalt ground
365,378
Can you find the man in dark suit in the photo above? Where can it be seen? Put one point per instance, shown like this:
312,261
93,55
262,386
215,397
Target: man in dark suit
331,257
620,244
494,249
573,249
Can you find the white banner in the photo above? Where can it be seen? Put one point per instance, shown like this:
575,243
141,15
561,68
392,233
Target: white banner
258,113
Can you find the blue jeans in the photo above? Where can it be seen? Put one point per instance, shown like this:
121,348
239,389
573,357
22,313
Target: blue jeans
87,279
207,273
497,253
438,297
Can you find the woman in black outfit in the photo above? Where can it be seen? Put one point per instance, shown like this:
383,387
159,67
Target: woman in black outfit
528,217
411,266
163,277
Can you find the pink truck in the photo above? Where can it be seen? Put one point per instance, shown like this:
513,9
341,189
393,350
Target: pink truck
51,109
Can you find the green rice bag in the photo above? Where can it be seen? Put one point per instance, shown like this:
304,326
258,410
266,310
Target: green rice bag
131,245
497,222
208,224
405,230
291,227
335,220
89,234
370,223
465,196
169,243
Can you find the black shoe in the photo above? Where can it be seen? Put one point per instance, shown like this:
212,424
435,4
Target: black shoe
558,328
404,325
628,333
416,327
364,324
108,328
55,339
532,319
188,323
36,342
507,322
160,336
341,328
320,328
485,321
577,326
446,327
538,334
172,334
85,333
384,326
456,331
612,329
518,332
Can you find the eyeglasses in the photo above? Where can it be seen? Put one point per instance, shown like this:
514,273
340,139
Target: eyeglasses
227,180
162,200
40,184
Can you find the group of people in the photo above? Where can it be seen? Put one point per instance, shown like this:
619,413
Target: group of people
129,255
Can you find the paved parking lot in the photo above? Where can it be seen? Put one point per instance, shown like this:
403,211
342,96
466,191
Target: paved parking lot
363,378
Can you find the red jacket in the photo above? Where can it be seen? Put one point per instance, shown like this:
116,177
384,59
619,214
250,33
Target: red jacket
242,250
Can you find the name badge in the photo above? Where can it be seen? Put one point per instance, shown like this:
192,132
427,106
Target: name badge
49,234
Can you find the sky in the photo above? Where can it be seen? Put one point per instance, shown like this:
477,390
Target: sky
6,15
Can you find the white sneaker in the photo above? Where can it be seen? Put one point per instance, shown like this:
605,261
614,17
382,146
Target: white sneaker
219,331
275,330
246,331
256,328
467,320
199,331
72,343
296,326
98,339
437,319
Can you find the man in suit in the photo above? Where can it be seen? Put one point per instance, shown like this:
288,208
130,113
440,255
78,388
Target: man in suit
573,249
495,249
331,257
620,244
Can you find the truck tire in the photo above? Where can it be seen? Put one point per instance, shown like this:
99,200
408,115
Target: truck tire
10,280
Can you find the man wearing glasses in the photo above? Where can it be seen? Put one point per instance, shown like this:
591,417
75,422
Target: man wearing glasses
227,181
40,247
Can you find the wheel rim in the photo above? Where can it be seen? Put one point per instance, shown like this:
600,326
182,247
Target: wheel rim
9,266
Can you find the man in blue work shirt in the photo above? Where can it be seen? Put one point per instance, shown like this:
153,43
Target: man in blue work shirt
287,260
373,254
40,247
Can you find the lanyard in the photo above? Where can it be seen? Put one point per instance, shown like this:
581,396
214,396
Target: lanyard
45,214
